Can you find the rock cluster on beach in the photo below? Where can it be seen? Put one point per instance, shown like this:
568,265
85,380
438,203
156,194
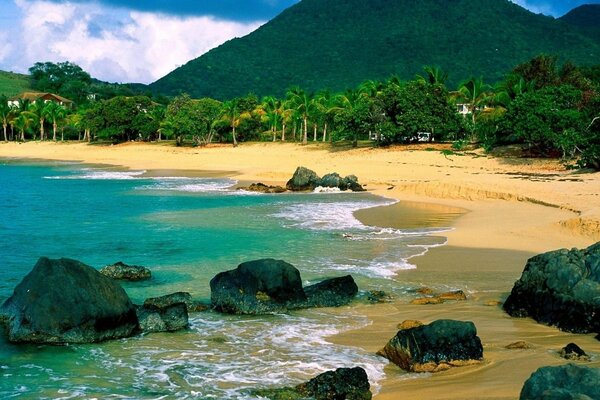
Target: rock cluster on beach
122,271
305,179
66,301
563,382
560,288
343,383
268,285
435,347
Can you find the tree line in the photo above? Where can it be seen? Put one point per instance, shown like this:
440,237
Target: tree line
550,109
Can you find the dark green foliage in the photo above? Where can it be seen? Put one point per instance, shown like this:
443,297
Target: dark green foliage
65,78
193,118
337,44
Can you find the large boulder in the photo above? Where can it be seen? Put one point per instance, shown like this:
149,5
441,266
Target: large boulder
257,287
333,292
332,180
434,347
122,271
566,382
351,183
173,298
343,383
560,288
303,179
66,301
267,286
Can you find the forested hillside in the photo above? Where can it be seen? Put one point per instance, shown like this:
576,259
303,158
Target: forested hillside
337,44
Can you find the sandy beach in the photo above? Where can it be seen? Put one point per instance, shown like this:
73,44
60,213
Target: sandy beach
501,210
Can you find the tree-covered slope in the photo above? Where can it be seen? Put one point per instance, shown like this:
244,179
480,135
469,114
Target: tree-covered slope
585,16
337,44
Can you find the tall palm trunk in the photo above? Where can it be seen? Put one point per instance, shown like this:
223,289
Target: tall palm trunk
315,133
274,133
42,129
233,133
305,129
4,126
54,125
283,133
325,132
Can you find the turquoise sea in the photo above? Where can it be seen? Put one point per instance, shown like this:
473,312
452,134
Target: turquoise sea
186,230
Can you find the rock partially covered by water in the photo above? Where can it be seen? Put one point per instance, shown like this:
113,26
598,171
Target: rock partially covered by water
434,347
266,286
343,383
303,179
257,287
167,313
66,301
262,188
333,292
566,382
306,179
574,352
177,297
560,288
122,271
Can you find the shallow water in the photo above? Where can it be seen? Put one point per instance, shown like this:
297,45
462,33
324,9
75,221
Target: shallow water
186,230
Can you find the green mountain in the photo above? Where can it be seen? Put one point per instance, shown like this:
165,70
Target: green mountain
337,44
585,16
11,84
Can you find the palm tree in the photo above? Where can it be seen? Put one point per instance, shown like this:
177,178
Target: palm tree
301,102
39,109
433,75
54,112
22,123
326,105
286,113
272,109
475,93
6,112
348,101
231,114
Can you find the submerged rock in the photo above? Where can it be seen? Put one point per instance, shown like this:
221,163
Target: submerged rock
262,188
566,382
560,288
177,297
268,285
66,301
343,383
168,318
122,271
434,347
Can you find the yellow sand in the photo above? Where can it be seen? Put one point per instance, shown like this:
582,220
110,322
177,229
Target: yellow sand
503,211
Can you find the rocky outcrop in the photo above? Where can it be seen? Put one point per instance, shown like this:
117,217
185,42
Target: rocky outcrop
433,298
262,188
267,286
343,383
305,179
560,288
66,301
565,382
122,271
434,347
167,313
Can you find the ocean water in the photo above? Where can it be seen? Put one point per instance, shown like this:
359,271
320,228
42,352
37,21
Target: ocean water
186,230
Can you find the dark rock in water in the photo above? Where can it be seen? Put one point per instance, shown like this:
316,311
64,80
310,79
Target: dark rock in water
343,383
66,301
167,318
333,292
126,272
173,298
560,288
434,347
332,180
566,382
574,352
256,287
266,286
303,179
378,296
262,188
351,183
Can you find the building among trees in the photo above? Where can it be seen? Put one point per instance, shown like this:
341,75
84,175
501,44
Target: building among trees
32,97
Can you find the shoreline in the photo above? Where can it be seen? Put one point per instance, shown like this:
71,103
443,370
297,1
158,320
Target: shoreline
500,215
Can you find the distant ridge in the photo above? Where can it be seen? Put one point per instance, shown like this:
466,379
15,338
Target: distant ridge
337,44
585,16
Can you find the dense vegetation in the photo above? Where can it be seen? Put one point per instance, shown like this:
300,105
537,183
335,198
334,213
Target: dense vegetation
337,44
549,108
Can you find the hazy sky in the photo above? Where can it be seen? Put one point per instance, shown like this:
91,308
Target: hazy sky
142,40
